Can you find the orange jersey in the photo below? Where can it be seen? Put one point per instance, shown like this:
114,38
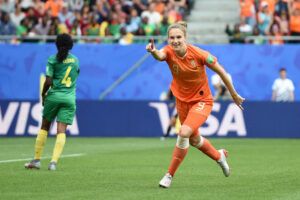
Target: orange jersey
295,23
190,82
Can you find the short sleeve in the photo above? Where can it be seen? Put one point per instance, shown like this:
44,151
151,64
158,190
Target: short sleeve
210,59
292,88
206,58
49,68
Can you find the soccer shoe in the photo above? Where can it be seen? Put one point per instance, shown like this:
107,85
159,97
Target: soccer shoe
223,162
52,166
34,164
165,182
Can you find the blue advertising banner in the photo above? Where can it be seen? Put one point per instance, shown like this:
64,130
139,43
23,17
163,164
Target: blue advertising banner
151,119
253,69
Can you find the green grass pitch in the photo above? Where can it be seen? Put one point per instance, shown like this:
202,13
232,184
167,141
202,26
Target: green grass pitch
130,168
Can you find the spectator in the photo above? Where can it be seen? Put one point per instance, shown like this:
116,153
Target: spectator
283,22
276,34
42,28
93,28
39,8
17,16
6,26
264,18
133,21
235,34
76,5
148,28
258,38
117,8
294,12
102,9
54,6
281,7
248,12
75,30
22,28
7,6
245,28
85,16
153,16
126,38
173,14
159,6
65,16
180,6
271,5
163,27
26,4
114,24
139,6
32,18
283,88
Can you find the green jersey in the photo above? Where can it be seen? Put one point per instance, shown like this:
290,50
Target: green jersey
64,76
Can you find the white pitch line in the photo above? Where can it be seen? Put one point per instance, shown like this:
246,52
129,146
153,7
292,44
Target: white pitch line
25,159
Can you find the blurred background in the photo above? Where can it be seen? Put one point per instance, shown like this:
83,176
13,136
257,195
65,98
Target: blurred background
123,91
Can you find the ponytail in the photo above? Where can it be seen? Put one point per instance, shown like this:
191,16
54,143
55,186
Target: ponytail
62,53
64,43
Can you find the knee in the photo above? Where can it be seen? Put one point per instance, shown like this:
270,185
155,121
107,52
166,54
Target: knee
182,143
45,125
197,141
185,131
194,143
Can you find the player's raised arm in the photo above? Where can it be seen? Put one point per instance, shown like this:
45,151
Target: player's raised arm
157,54
222,73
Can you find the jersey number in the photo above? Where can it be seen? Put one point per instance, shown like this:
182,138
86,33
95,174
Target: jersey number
67,80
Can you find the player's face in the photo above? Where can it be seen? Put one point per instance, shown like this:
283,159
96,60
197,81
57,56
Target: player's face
283,74
176,39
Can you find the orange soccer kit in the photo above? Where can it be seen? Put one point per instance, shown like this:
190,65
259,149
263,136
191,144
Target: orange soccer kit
190,84
194,100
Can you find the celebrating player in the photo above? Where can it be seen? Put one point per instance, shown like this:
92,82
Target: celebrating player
58,98
194,100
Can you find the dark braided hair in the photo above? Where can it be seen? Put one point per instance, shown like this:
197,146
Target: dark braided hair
64,43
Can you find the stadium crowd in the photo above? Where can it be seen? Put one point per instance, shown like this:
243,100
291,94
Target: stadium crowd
120,19
275,18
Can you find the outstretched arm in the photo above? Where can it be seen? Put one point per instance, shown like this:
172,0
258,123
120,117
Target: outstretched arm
157,54
222,73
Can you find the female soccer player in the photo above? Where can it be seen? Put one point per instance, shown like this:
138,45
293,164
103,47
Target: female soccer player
194,100
58,99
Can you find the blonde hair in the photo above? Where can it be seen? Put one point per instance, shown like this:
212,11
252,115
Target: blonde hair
182,25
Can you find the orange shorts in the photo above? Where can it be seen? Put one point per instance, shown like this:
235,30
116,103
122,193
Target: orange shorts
193,114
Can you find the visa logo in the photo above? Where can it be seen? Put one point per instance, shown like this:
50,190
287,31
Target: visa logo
25,118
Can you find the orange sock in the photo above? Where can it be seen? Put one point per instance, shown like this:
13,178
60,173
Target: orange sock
209,150
178,156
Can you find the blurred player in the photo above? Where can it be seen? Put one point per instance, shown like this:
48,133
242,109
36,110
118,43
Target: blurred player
174,122
194,100
221,92
58,99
